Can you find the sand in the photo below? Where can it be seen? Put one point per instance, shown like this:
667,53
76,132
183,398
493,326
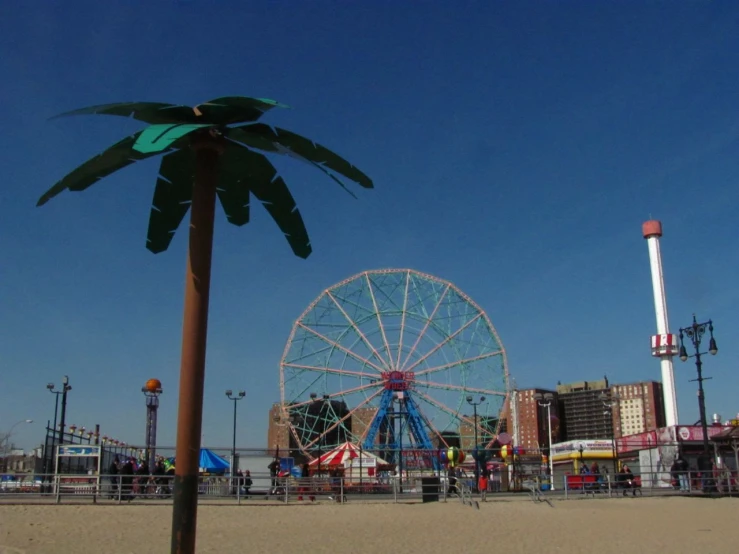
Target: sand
630,526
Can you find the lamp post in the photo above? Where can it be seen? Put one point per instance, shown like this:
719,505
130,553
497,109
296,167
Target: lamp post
235,398
56,393
6,440
399,397
324,399
65,388
474,405
545,401
581,450
695,333
608,403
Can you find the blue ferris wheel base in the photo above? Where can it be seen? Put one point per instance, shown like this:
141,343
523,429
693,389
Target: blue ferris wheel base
411,421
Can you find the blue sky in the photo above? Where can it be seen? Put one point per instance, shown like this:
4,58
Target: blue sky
516,149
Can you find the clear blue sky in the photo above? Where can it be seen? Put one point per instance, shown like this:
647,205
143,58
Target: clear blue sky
516,148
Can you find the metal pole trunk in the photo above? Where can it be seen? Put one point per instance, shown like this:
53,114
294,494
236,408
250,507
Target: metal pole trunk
194,337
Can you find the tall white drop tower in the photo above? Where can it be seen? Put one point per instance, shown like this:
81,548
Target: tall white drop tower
664,344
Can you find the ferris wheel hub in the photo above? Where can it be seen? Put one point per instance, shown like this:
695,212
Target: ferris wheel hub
397,380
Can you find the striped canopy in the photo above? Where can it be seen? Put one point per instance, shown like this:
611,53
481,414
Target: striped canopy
342,453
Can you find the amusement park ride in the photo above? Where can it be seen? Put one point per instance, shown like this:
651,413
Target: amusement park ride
152,389
393,354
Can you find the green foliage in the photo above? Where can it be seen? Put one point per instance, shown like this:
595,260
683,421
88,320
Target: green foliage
114,158
242,171
172,197
157,138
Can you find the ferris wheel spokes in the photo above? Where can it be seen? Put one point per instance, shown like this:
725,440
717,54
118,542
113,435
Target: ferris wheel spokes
358,331
455,363
425,327
442,343
465,389
332,370
349,414
402,318
389,363
444,408
338,346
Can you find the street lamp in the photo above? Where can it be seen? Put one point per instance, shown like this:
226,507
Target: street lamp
545,401
66,387
399,397
581,450
5,443
695,333
474,405
235,397
608,403
324,399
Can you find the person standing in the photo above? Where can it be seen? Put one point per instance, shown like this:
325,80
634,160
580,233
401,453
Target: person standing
126,472
114,478
682,473
482,485
274,468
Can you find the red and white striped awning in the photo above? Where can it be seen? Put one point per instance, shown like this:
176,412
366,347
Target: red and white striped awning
339,455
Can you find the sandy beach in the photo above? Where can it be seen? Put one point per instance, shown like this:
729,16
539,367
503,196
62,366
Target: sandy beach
648,525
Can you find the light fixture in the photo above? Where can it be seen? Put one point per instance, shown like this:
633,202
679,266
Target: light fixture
712,348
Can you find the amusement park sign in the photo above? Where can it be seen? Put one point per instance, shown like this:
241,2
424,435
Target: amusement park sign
570,447
665,436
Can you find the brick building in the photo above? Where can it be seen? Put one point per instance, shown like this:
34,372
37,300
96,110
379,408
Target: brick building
533,430
584,415
637,408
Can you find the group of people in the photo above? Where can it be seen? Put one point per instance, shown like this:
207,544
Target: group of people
129,476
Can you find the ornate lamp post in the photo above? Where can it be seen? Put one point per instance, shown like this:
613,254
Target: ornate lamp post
235,398
545,401
474,405
695,333
608,404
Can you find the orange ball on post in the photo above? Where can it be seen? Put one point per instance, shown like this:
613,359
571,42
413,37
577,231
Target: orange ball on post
153,385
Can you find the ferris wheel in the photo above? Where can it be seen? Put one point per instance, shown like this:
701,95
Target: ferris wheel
392,358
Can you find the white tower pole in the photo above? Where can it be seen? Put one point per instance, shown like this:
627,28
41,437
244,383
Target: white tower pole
664,345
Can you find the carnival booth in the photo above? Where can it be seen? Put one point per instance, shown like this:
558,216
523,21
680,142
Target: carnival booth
355,464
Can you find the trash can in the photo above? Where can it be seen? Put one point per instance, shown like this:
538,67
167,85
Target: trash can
430,489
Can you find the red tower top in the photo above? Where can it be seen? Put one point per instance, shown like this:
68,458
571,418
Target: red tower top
651,228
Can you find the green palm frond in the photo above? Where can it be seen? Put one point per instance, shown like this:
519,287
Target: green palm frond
261,178
233,191
157,138
149,112
241,173
172,198
114,158
219,111
236,109
280,141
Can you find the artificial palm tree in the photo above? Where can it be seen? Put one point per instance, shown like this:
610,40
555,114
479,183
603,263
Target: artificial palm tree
212,149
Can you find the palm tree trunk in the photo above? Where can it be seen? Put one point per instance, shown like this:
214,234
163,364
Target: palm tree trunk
194,335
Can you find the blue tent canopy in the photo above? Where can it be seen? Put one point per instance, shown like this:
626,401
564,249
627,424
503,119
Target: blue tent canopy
209,462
